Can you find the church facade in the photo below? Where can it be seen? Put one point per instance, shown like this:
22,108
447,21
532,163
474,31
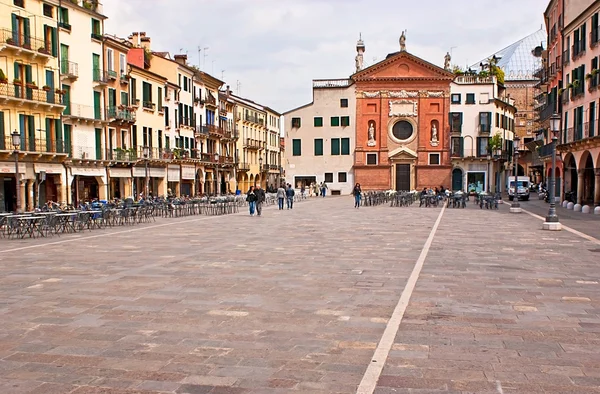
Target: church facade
402,125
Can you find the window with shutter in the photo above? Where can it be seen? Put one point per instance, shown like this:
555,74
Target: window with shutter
345,146
335,121
318,147
335,146
296,147
318,122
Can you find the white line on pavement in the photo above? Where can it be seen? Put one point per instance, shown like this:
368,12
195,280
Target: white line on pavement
373,372
499,387
569,229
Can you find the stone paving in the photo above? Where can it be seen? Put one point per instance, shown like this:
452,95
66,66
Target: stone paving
297,301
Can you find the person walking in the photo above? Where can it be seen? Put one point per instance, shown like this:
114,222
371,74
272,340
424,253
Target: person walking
251,198
280,196
323,189
290,192
260,199
357,193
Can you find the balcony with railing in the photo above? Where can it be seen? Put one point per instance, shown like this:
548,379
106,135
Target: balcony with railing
253,144
69,70
148,106
243,167
100,77
214,130
474,80
122,154
35,145
122,115
210,99
201,131
254,119
546,112
23,45
84,112
21,94
545,151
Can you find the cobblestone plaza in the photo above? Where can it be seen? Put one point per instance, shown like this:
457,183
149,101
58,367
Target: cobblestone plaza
320,299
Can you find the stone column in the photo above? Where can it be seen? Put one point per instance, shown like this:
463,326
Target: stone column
103,191
22,193
30,202
597,188
580,174
127,191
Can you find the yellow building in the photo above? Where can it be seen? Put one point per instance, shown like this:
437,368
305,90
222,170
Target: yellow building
30,105
272,167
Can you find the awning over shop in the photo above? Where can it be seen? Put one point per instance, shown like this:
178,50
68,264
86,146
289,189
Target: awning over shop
49,168
88,171
153,172
9,168
188,172
120,172
173,173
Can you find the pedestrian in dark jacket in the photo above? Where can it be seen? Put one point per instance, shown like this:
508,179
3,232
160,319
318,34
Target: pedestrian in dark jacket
260,199
251,198
280,196
290,192
357,193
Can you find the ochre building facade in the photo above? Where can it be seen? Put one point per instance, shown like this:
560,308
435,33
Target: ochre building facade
402,126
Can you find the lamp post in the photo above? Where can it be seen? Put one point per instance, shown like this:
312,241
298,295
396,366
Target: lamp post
217,185
146,153
489,173
260,169
16,142
497,156
552,222
515,207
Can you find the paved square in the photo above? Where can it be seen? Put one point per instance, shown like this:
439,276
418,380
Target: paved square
298,301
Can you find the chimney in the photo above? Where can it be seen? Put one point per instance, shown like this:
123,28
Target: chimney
134,39
145,42
181,59
228,91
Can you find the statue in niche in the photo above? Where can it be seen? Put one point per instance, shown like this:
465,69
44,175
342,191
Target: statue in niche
434,134
371,134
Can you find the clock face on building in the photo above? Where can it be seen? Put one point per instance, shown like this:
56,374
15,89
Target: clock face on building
402,130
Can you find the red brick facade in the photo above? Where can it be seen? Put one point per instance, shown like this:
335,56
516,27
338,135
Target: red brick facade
415,94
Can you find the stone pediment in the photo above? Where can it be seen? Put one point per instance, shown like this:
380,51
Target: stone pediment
402,153
403,65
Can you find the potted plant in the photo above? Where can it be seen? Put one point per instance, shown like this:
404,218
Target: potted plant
588,76
560,91
10,41
3,78
43,50
46,88
74,1
595,72
31,85
17,81
575,84
87,4
60,91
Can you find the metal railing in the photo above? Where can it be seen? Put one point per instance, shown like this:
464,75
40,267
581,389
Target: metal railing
214,130
121,154
27,42
254,119
545,150
21,92
243,166
69,69
547,111
38,145
253,144
100,76
201,131
121,114
469,79
85,111
578,49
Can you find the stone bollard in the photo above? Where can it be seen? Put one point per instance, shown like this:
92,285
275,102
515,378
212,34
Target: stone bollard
565,203
597,210
570,205
577,208
585,209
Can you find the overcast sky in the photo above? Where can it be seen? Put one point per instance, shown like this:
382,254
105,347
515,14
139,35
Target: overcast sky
274,48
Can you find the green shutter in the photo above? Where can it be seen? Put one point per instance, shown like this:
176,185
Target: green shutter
50,82
124,99
318,147
67,99
318,122
335,146
97,111
26,32
167,142
28,78
22,130
46,43
335,121
160,99
3,137
54,42
15,29
98,144
297,147
96,66
48,135
67,138
31,132
462,146
345,146
57,134
17,74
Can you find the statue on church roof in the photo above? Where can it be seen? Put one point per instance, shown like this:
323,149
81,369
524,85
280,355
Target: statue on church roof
447,59
403,41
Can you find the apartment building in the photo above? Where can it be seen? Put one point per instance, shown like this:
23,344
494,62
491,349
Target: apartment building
482,127
321,137
31,103
272,160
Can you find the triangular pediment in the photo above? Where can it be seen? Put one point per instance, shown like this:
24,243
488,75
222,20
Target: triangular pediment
403,65
402,153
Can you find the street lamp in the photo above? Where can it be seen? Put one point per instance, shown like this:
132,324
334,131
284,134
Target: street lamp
16,142
217,186
489,160
552,222
515,207
497,156
146,153
260,168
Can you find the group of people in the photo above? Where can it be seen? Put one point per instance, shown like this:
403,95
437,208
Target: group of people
316,189
256,197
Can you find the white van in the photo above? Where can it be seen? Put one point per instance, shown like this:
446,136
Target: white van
523,183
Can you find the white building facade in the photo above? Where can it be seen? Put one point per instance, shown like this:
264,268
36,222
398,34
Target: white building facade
314,134
482,121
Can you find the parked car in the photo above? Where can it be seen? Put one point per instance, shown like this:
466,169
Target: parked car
523,183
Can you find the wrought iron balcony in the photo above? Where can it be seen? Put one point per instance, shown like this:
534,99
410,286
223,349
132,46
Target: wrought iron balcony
123,115
545,150
120,154
243,167
23,95
100,76
35,145
253,144
84,112
69,70
22,44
